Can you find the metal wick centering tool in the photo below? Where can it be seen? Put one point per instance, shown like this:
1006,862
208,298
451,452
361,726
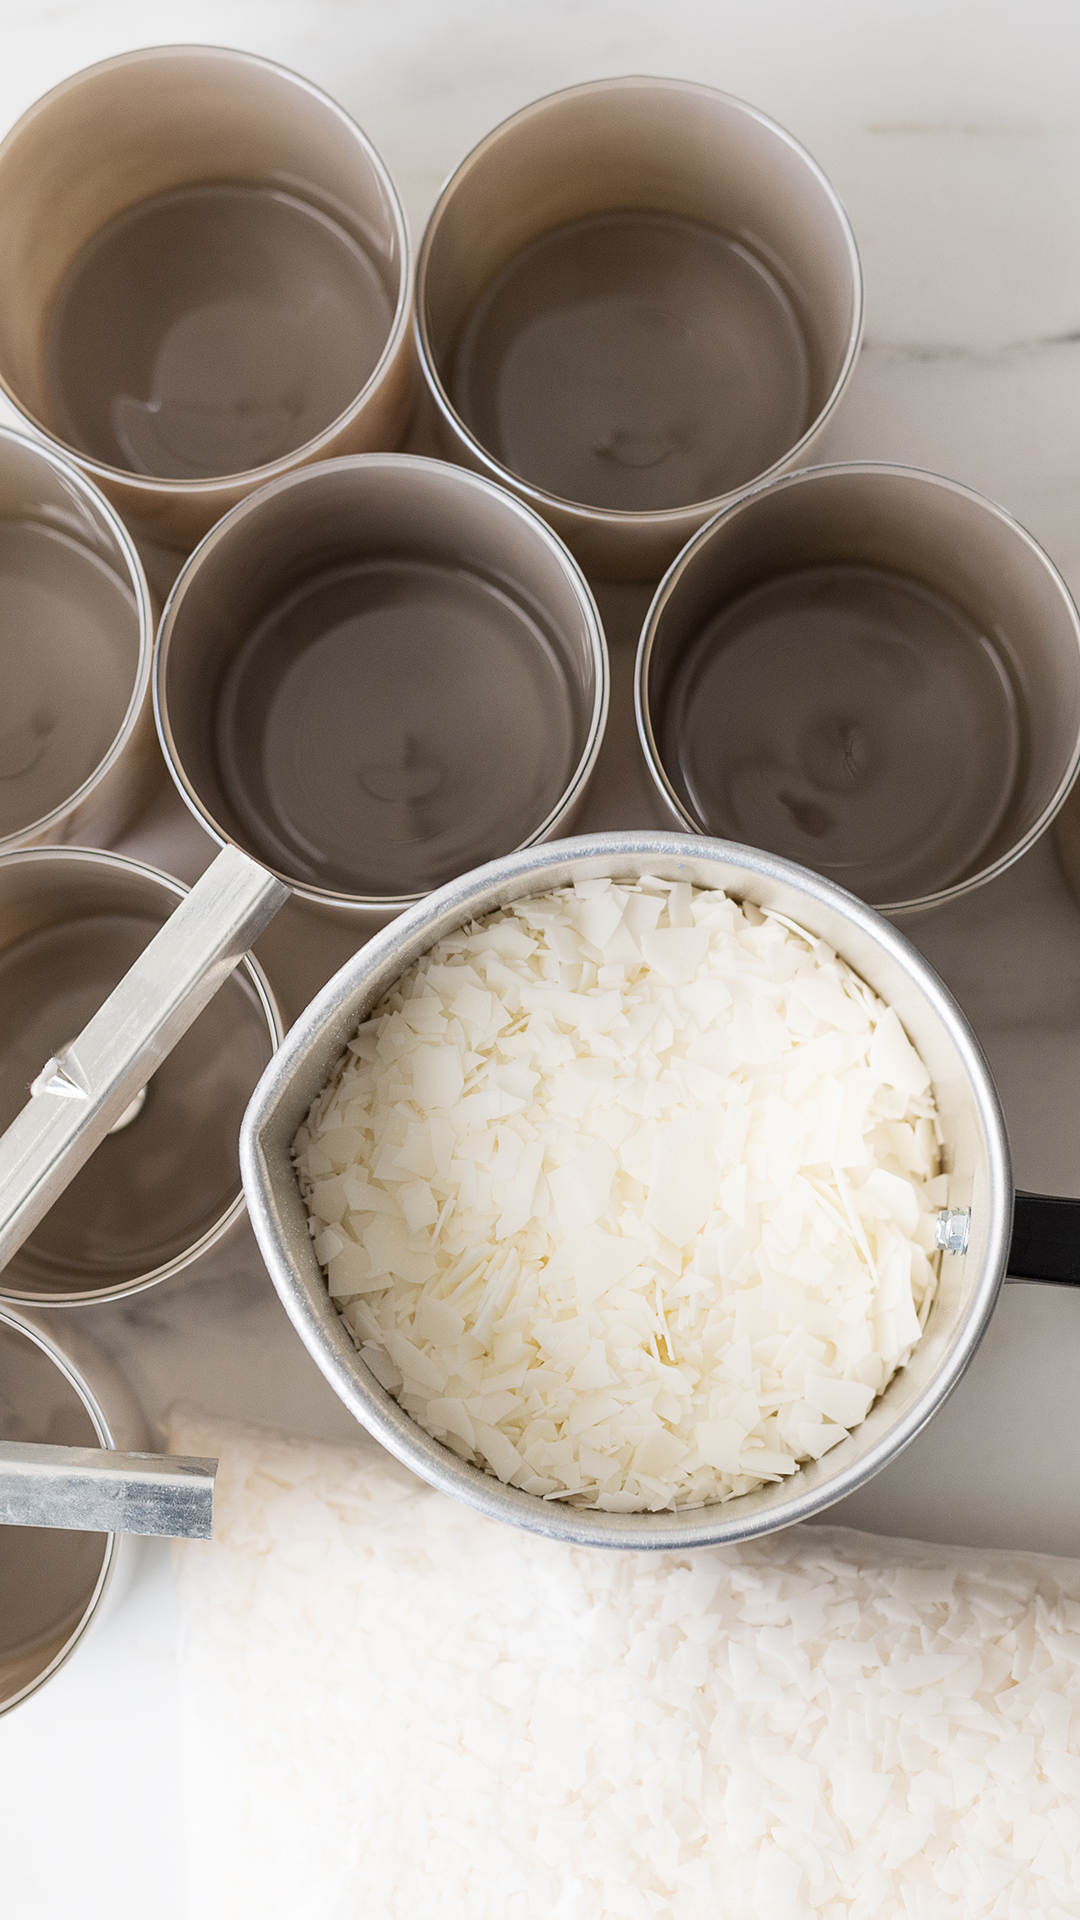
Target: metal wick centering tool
97,1490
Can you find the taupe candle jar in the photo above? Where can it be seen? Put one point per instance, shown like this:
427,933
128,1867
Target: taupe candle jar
635,298
208,281
77,751
375,673
868,669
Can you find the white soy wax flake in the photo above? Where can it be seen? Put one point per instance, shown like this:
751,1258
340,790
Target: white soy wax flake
629,1193
816,1725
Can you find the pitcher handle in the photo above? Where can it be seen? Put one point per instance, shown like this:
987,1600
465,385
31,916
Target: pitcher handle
1045,1240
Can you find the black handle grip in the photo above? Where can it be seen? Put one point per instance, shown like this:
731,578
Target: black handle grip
1045,1239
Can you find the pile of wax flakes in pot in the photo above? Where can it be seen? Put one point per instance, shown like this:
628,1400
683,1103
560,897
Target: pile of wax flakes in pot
393,1707
628,1194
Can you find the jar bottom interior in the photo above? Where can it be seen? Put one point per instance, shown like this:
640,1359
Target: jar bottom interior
392,724
211,330
634,362
850,719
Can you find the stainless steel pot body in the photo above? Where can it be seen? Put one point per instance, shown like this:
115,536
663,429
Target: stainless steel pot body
977,1161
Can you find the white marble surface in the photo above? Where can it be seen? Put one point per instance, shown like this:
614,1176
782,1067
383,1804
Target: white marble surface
952,130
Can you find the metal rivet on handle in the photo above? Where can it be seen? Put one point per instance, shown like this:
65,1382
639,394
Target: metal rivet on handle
953,1228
